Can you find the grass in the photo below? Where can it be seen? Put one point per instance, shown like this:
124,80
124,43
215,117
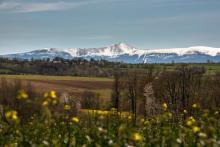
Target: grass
210,68
55,124
28,121
67,78
5,71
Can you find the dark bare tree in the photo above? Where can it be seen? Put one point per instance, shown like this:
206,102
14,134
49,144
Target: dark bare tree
116,91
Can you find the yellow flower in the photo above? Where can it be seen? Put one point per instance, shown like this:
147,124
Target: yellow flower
46,95
67,107
142,120
129,117
164,105
11,116
22,95
75,119
54,102
52,94
136,137
185,111
45,103
195,129
190,121
170,115
195,106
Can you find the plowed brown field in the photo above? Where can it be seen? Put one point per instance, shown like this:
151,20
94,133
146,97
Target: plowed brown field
73,86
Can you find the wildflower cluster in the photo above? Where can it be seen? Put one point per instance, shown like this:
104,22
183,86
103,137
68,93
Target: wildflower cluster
22,95
50,98
90,127
190,121
12,116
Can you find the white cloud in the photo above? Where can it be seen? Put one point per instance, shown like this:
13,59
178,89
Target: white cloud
26,7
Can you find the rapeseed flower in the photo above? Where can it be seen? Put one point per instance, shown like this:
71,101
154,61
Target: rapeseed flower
45,103
11,116
190,121
75,119
195,106
196,129
51,98
67,107
22,95
164,105
129,117
136,137
52,94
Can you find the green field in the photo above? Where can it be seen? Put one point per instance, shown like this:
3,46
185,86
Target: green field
210,68
5,71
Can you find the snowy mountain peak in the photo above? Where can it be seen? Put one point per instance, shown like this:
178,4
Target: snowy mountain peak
127,53
120,48
54,50
124,46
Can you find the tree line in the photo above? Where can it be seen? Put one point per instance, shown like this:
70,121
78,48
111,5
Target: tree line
180,89
60,66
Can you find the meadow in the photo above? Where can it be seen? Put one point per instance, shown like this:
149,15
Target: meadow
177,106
46,126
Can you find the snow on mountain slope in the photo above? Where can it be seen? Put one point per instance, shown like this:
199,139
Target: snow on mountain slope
126,53
122,48
111,51
187,51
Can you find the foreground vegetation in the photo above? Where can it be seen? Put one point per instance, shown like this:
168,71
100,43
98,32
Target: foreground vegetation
148,107
52,123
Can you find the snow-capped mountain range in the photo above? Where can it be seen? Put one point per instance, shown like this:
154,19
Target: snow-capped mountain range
126,53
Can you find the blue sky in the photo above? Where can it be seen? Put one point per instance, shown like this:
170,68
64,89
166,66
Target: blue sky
34,24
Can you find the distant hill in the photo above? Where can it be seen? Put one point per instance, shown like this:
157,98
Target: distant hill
128,54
